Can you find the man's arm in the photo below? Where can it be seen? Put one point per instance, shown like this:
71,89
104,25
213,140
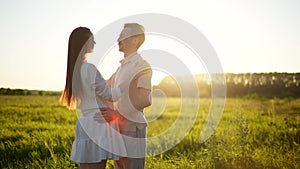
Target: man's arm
142,99
140,90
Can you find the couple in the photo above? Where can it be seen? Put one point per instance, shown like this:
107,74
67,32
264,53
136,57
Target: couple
112,124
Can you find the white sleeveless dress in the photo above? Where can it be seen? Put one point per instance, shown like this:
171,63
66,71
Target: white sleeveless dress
96,141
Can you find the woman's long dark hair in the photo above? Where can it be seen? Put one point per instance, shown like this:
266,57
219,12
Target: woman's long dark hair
76,52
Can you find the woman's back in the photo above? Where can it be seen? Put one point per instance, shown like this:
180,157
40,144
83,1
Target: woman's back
95,89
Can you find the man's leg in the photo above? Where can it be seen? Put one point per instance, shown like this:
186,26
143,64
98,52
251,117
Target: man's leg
129,163
133,163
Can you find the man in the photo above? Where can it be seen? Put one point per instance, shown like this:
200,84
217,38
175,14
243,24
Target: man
134,75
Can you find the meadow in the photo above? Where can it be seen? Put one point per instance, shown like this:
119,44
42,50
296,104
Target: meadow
37,132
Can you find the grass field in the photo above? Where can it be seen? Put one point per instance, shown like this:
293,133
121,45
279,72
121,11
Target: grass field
37,132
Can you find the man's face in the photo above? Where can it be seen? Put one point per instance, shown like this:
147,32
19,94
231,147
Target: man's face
124,45
125,39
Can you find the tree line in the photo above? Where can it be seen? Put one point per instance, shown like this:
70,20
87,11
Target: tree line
24,92
238,85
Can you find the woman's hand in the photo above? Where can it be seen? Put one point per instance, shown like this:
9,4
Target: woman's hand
123,87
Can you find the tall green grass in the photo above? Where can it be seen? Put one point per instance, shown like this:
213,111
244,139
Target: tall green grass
37,132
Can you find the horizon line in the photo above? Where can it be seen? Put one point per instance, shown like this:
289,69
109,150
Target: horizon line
60,90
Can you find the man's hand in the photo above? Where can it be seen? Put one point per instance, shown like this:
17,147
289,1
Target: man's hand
99,117
107,113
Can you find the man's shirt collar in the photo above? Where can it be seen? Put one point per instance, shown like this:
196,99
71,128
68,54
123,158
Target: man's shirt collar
131,58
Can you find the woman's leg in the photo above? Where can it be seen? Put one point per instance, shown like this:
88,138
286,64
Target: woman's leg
83,166
100,165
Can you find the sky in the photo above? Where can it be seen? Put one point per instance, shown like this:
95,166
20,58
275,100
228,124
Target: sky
248,36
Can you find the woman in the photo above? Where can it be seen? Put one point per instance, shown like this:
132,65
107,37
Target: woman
95,142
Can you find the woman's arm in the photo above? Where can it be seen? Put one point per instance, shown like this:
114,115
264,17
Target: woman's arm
100,86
